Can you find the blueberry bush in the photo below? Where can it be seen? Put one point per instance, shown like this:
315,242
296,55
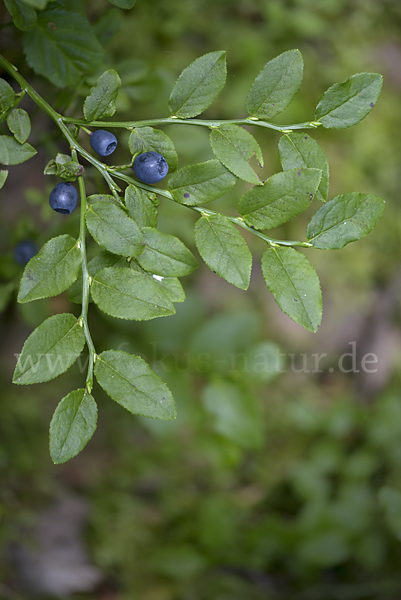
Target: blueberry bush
136,273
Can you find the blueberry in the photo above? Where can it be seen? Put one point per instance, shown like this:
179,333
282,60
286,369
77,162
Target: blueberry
24,251
150,167
103,142
63,198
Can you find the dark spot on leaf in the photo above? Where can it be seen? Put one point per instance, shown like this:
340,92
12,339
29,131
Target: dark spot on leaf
29,276
252,226
371,104
296,300
186,195
306,137
52,26
299,173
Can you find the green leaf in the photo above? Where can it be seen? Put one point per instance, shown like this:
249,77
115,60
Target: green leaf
101,101
100,261
234,147
72,425
127,294
201,183
235,416
24,17
62,166
172,288
344,219
390,501
50,350
276,85
13,153
147,139
198,85
299,151
39,4
142,206
3,177
294,284
223,249
345,104
126,4
113,229
283,196
131,382
165,254
7,96
19,124
52,270
61,47
104,198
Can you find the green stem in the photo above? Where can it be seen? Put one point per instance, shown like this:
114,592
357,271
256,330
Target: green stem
200,122
85,279
107,171
205,211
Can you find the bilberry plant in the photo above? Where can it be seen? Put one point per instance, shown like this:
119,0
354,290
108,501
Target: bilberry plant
120,279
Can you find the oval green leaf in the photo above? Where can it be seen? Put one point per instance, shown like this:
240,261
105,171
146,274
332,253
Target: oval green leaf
283,196
24,17
347,103
127,294
276,85
223,249
72,425
142,206
7,96
131,382
52,270
198,85
113,229
50,350
344,219
234,147
13,153
61,47
101,101
201,183
294,284
165,254
299,151
19,124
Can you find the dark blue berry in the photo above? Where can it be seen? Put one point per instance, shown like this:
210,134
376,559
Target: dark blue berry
24,251
103,142
63,198
150,167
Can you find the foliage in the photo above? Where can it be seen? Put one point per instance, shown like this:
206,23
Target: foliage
62,46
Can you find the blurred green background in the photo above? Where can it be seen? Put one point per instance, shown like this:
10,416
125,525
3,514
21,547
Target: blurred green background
271,484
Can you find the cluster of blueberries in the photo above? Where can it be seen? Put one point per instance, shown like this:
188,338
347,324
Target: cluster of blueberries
149,167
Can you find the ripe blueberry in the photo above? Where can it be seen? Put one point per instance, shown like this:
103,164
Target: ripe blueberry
24,251
63,198
103,142
150,167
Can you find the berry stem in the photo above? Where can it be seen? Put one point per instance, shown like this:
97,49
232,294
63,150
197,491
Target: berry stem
200,122
204,211
85,279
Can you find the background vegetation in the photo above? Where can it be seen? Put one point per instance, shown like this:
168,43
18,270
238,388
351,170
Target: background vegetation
271,485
